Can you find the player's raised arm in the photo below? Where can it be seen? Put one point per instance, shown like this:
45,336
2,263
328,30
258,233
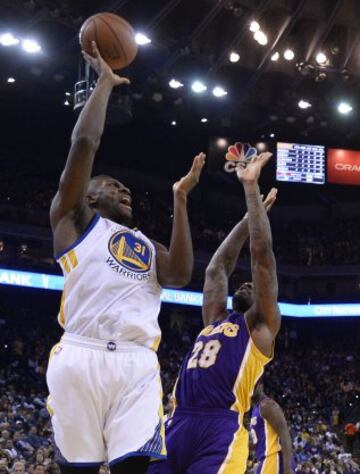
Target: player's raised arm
222,265
274,415
175,266
264,315
70,199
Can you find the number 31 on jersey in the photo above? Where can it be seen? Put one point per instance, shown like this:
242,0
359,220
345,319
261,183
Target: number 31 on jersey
204,355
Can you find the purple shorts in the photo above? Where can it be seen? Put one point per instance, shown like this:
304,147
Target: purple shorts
198,442
273,464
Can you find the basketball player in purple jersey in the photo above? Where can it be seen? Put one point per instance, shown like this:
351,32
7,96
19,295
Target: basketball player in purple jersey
206,434
270,435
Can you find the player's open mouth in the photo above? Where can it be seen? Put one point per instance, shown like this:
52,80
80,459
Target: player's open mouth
126,202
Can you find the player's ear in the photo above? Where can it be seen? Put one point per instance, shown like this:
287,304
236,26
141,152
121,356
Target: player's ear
91,200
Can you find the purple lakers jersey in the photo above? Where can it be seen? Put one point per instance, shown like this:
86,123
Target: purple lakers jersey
264,437
222,368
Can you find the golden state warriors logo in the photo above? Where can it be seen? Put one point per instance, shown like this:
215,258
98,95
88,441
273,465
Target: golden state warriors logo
130,252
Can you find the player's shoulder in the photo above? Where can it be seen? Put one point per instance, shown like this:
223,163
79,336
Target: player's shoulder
268,404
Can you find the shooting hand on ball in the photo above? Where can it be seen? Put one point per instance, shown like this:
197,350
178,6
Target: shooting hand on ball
250,172
103,70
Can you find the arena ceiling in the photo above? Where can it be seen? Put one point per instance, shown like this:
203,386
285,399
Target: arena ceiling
192,40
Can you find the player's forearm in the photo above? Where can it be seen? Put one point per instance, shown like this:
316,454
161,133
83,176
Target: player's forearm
181,255
91,122
227,254
259,225
286,450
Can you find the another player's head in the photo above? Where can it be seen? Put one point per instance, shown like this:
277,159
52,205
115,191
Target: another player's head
243,298
110,198
258,392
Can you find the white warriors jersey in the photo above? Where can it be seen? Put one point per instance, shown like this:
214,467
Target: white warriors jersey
111,290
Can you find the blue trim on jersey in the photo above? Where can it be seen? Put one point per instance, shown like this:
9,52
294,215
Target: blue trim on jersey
94,220
150,454
80,464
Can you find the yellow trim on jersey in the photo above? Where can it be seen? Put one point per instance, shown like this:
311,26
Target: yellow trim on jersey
69,261
162,426
272,442
251,369
73,258
48,406
65,264
238,453
53,351
61,316
156,343
271,465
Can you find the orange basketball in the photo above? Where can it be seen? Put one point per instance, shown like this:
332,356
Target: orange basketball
114,37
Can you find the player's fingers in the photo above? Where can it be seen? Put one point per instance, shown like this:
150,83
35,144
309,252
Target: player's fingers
123,80
198,163
265,157
89,59
95,50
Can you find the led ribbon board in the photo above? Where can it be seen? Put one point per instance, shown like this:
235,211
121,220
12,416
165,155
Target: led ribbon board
189,298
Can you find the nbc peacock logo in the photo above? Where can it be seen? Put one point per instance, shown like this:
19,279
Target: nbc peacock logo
237,154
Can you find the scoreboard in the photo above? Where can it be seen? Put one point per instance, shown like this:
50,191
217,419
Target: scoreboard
300,163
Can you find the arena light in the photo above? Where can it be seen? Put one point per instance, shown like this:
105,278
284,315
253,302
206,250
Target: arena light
261,37
222,143
344,108
198,87
272,135
234,57
67,103
275,56
142,39
173,123
68,94
175,84
31,46
261,146
321,58
304,104
289,55
219,91
11,80
8,39
254,26
204,120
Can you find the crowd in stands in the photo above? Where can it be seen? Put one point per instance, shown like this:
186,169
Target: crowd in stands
316,384
26,198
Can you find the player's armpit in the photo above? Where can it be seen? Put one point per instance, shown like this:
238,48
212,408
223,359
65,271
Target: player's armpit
166,274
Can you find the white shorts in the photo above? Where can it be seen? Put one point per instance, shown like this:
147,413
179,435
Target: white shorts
105,401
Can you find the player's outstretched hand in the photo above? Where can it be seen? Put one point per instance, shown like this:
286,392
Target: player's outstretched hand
250,172
189,181
101,67
270,199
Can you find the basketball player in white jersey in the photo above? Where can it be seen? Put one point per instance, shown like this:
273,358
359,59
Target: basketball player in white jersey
103,377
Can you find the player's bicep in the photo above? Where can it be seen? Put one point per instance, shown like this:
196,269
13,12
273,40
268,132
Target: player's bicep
274,415
215,293
165,274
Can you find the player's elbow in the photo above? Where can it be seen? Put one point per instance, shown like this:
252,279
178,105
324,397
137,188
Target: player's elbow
262,250
85,143
212,270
